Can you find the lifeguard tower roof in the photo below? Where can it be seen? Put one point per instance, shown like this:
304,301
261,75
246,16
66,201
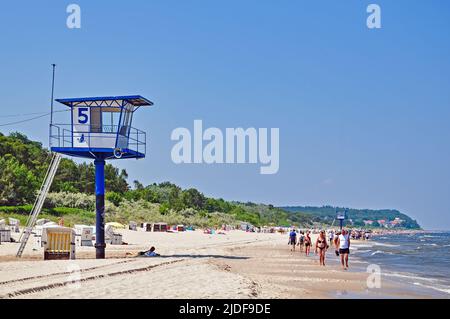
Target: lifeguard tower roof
107,101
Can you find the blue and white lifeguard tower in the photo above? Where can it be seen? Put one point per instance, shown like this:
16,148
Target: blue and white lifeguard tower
100,129
341,216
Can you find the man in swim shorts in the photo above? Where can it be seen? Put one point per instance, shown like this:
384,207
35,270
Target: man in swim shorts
343,242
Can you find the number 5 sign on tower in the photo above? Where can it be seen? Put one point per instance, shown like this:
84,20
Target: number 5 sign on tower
83,115
81,126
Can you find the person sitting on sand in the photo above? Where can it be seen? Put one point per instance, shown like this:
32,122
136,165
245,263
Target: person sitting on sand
307,243
343,242
321,247
293,239
149,253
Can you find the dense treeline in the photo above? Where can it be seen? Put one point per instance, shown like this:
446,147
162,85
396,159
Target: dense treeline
326,214
23,164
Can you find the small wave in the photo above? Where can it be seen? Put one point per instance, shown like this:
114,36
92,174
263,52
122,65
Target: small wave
446,290
430,244
363,245
372,244
363,251
377,252
386,245
410,276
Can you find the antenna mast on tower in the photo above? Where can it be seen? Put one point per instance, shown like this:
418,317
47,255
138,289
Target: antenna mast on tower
53,91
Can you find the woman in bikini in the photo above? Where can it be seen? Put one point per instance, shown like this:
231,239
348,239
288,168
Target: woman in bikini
307,244
321,247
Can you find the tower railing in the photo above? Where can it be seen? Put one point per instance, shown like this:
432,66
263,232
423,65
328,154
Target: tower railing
62,136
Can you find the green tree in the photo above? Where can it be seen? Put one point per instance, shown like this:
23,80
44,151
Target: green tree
192,198
17,183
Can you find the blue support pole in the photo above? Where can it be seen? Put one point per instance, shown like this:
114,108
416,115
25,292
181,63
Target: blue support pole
100,208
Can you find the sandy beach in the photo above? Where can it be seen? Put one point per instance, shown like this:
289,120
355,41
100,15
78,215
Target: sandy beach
193,265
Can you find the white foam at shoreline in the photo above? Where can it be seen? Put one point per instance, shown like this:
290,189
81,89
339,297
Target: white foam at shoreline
381,252
363,251
386,245
446,290
409,276
371,244
362,245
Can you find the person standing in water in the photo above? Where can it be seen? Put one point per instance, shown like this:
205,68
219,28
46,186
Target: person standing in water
343,242
321,247
307,244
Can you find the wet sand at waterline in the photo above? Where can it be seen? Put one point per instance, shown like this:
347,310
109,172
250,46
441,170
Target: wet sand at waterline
194,265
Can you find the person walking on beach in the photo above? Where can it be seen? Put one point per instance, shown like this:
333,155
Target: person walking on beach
343,242
307,244
331,237
301,241
321,247
293,239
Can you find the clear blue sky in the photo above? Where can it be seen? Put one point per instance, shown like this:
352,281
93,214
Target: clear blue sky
363,114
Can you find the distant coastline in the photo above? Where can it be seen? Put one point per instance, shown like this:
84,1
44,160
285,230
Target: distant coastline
356,218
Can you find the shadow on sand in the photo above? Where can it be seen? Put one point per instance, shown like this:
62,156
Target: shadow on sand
204,256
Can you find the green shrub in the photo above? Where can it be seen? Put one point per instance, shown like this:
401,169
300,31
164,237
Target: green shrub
73,200
114,198
21,210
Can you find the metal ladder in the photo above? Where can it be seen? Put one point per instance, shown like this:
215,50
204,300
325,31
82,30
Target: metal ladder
39,202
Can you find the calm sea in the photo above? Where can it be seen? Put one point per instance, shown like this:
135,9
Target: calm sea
422,260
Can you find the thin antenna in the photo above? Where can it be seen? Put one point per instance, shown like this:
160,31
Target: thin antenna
53,90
